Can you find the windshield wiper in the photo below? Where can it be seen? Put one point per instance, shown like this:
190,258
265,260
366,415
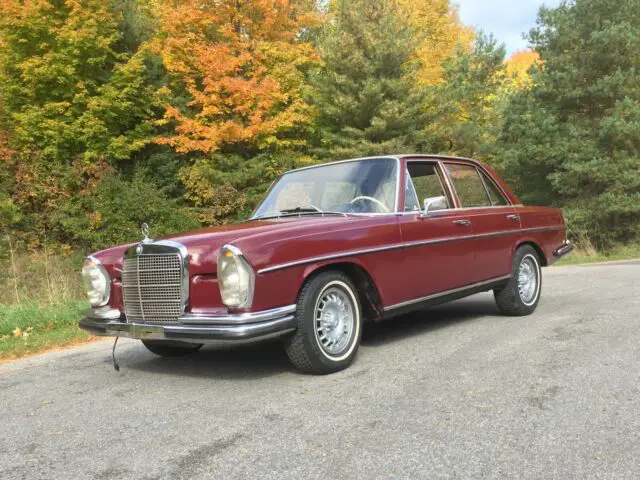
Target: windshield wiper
307,209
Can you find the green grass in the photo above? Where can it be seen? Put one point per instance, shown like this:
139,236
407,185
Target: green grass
29,328
579,256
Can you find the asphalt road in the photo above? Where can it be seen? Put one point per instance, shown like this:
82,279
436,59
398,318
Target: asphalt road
452,392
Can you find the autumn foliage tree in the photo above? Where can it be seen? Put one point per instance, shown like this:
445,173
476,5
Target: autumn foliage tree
518,68
80,95
237,72
440,34
241,66
182,112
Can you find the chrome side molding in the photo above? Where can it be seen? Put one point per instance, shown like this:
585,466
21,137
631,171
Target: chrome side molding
446,292
397,246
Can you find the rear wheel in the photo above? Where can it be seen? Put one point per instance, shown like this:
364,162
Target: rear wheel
169,348
520,296
329,325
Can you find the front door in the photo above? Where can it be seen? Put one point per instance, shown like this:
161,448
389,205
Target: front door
437,258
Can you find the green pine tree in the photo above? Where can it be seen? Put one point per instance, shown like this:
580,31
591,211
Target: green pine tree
465,110
573,139
365,95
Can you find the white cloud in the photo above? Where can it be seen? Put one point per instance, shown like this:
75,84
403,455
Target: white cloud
508,20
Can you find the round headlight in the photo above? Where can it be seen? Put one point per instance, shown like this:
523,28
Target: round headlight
97,282
235,278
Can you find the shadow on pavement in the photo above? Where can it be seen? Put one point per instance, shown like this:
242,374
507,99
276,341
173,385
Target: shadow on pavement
428,320
267,359
238,363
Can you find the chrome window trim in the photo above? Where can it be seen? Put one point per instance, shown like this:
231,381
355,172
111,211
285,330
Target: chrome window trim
398,176
107,296
480,208
377,157
374,157
397,246
484,177
484,184
482,170
148,248
452,192
475,167
445,293
439,171
441,160
415,194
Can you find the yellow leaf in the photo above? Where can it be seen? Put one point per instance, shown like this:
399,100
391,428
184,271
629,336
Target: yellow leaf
17,332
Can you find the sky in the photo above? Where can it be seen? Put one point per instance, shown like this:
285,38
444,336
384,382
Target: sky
506,19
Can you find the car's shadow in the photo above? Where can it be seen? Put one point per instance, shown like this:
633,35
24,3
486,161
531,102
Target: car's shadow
427,320
268,359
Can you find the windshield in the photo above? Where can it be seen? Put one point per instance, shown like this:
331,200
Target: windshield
360,186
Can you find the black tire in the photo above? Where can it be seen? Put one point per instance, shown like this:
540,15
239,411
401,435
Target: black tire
509,298
168,348
304,346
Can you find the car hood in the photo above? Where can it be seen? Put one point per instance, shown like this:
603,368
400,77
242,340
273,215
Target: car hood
203,245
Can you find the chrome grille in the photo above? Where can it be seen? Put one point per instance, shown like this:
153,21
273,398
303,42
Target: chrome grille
152,288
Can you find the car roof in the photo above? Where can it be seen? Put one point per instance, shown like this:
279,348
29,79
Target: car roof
403,156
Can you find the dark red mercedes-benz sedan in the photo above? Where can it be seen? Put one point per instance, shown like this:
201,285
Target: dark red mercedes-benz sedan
330,247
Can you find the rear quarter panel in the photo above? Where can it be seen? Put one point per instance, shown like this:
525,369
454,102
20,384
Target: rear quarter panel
543,226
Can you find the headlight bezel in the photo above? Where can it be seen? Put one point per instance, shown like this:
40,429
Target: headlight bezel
105,295
230,255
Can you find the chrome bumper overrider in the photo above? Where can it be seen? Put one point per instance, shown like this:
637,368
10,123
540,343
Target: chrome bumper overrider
236,328
563,249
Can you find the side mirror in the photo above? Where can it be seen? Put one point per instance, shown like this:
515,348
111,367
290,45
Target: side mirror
434,203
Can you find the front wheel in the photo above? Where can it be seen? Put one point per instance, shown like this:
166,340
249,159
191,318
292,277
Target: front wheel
520,296
329,325
168,348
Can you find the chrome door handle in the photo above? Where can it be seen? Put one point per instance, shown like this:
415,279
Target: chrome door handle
515,218
464,223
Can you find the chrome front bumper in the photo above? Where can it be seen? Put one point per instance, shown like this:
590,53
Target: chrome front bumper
229,328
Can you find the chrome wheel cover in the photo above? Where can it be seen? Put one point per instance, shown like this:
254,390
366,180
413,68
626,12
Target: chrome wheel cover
528,281
335,318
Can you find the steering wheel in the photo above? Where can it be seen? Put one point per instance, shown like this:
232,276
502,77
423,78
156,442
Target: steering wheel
371,199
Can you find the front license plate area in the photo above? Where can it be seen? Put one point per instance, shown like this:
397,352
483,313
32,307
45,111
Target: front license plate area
146,331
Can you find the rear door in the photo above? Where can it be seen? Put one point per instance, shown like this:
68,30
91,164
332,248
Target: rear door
494,220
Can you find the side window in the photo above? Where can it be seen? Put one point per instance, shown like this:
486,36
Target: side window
495,195
427,184
468,185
